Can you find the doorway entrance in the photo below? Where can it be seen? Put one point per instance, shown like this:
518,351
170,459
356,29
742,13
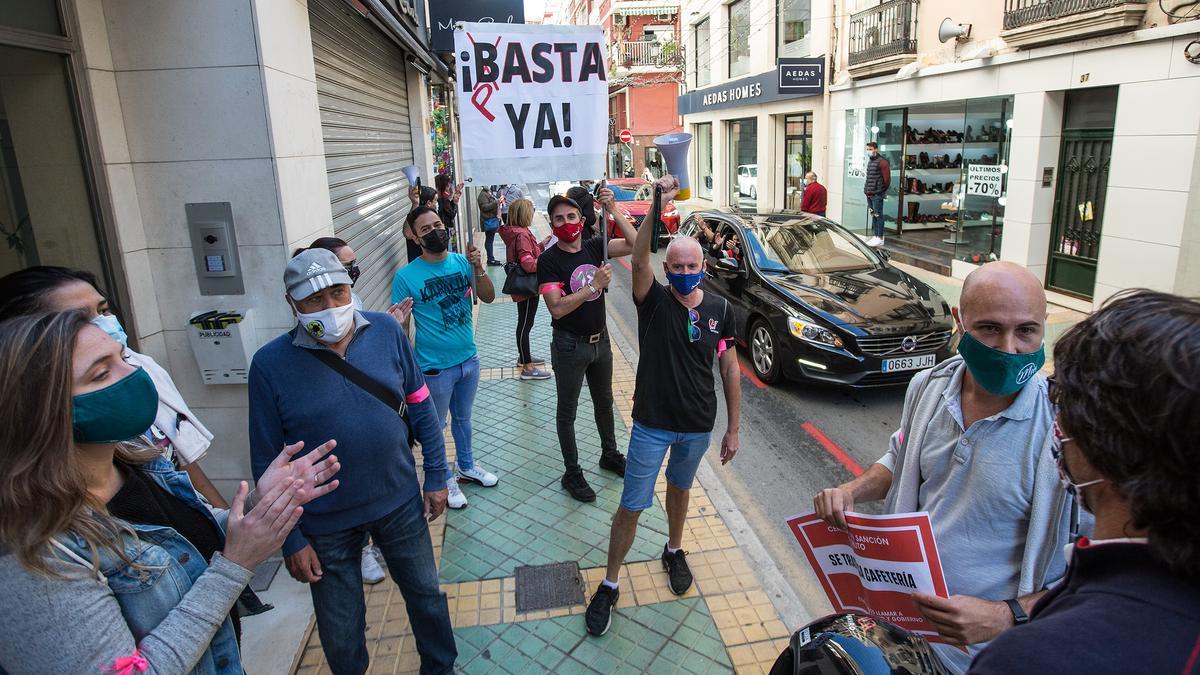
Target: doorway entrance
1080,196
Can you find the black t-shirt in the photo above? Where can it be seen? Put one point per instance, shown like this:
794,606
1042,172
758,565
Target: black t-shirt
570,272
675,388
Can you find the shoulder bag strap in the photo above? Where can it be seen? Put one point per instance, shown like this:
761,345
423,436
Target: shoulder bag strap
361,380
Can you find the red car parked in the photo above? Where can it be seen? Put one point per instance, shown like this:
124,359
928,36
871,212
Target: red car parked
633,197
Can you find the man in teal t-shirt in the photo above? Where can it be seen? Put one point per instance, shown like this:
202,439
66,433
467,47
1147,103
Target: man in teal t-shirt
436,289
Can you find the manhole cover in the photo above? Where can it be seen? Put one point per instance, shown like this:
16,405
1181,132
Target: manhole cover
548,586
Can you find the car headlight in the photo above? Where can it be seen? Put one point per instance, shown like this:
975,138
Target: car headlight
811,332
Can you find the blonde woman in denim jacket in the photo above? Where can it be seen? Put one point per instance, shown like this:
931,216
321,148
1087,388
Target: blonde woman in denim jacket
88,592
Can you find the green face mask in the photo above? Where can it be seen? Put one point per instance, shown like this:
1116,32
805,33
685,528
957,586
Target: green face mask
118,412
999,372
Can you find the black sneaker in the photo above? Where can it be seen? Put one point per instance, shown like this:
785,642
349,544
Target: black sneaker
599,611
577,485
614,463
495,263
678,572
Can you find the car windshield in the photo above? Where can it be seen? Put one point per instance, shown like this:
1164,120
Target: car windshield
631,193
807,247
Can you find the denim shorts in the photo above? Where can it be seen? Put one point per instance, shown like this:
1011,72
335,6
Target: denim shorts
647,448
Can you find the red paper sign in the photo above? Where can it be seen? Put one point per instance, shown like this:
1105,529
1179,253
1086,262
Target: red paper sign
875,566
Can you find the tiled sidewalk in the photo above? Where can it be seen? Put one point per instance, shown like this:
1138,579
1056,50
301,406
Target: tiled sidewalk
725,623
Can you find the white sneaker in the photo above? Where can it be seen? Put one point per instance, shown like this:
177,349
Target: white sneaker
372,573
478,474
456,499
875,242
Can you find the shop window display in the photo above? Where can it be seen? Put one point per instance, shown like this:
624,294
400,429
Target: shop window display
704,160
797,157
942,197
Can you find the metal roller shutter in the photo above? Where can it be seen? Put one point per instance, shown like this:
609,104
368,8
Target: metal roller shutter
363,95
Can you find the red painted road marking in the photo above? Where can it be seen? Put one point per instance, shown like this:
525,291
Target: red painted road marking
625,263
751,376
833,449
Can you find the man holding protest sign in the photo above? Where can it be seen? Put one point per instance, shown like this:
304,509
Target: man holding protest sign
973,450
572,277
681,330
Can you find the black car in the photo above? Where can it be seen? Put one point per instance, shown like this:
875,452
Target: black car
813,302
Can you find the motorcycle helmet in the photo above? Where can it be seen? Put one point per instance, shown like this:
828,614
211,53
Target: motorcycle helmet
857,644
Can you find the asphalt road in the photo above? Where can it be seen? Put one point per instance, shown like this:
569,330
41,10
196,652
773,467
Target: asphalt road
795,440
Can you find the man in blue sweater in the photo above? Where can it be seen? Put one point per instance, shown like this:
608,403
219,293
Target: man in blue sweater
295,396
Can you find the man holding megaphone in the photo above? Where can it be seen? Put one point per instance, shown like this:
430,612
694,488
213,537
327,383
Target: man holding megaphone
681,330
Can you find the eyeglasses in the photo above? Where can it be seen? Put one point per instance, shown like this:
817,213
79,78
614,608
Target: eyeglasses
693,329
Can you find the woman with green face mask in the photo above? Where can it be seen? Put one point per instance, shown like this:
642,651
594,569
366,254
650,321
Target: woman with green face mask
175,429
109,559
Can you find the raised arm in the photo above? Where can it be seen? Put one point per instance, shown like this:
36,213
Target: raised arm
643,270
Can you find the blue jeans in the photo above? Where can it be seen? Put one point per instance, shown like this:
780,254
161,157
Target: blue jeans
875,203
453,390
403,538
647,448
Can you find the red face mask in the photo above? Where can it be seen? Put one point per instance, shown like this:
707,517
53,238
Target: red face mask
568,231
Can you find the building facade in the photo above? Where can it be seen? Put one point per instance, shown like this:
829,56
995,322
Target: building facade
1059,136
1062,136
646,62
754,136
127,127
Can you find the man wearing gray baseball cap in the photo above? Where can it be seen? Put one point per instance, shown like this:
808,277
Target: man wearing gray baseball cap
351,376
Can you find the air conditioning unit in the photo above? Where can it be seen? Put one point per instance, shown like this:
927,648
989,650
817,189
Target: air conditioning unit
665,18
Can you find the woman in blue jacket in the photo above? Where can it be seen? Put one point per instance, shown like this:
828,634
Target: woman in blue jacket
110,561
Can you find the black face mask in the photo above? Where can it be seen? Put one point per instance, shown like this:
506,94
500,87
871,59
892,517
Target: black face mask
436,241
354,272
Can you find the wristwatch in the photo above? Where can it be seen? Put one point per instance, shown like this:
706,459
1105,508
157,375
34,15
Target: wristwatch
1019,615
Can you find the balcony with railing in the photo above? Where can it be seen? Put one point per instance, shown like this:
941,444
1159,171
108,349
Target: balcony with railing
1029,23
647,55
883,39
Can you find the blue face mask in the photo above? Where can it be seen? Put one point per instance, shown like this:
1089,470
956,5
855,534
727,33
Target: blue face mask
1001,373
112,325
685,283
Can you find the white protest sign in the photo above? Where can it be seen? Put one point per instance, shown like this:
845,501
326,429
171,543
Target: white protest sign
984,179
533,102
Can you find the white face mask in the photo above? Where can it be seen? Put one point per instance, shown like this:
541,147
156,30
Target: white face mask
328,325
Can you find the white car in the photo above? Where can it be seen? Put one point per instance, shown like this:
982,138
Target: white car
747,176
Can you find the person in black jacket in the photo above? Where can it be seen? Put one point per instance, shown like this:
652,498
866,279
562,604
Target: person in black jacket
1127,384
879,179
447,201
418,196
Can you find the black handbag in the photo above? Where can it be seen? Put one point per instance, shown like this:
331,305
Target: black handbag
518,281
368,384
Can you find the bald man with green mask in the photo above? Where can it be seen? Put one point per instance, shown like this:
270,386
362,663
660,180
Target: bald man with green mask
973,451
